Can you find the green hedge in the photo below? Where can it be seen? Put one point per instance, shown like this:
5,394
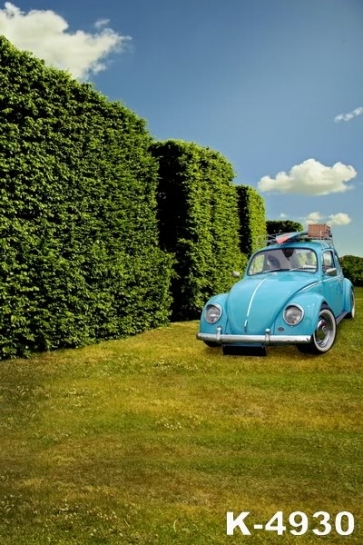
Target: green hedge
251,209
276,227
78,230
198,222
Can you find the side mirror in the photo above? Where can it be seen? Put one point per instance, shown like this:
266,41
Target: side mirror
332,271
236,274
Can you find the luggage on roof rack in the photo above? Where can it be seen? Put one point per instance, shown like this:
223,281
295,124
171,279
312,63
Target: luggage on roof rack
320,231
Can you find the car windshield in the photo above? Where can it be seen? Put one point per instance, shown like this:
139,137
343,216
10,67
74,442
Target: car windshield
284,259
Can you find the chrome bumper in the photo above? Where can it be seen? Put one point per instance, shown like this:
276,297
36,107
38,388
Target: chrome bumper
267,338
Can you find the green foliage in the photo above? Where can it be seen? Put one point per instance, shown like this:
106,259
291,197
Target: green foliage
251,209
78,231
198,222
275,227
353,268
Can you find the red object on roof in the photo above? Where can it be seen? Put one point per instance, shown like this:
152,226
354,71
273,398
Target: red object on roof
283,238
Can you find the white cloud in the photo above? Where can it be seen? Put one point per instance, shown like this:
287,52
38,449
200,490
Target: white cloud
349,115
101,22
310,178
339,219
45,34
314,217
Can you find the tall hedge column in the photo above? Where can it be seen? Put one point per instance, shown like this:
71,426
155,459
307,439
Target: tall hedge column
78,230
198,222
251,210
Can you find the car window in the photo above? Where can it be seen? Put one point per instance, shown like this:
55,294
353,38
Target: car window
328,260
289,258
337,263
257,264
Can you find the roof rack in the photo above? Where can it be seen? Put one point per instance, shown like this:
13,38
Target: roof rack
315,231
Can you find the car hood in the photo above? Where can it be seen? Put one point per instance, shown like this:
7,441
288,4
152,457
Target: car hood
254,302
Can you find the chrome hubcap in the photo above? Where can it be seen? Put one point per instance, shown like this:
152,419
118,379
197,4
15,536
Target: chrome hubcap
324,332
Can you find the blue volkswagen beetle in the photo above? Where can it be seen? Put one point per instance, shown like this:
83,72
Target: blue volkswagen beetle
293,292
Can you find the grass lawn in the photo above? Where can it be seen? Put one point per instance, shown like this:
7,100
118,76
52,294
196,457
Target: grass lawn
152,439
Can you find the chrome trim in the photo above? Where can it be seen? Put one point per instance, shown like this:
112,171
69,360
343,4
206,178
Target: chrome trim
331,278
253,296
312,285
265,339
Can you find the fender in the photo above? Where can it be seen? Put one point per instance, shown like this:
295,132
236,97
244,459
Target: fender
311,303
220,300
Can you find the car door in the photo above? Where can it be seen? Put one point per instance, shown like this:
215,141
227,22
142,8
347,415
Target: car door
332,281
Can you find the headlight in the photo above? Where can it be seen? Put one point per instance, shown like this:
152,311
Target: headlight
293,314
213,313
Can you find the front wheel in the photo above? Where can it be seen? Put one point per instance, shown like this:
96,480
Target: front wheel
211,344
324,335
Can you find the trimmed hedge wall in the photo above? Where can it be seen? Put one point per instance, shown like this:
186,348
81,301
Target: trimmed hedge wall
276,227
198,222
78,231
251,209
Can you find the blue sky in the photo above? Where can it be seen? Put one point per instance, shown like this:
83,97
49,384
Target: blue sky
274,85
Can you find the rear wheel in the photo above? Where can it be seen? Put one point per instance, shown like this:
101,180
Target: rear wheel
351,313
324,335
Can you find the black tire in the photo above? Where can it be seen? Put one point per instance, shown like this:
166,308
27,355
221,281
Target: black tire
211,344
324,335
351,314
